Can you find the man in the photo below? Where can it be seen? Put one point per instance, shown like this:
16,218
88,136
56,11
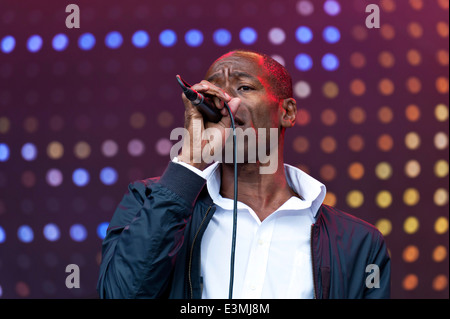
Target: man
170,237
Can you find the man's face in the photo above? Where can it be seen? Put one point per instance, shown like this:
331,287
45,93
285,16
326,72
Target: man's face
243,75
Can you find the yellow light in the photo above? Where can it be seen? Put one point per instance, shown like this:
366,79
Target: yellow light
383,170
411,196
355,198
441,225
384,199
441,168
411,225
441,112
384,226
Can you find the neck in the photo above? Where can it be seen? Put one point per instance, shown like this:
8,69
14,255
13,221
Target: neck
264,193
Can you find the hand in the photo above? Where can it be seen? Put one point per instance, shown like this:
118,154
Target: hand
194,145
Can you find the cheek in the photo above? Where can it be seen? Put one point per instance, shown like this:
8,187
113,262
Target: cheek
267,115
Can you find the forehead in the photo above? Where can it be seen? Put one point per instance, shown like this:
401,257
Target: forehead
247,62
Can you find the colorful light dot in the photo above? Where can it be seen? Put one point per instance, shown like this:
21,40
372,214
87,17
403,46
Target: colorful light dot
80,177
384,199
411,225
113,40
140,39
168,38
355,199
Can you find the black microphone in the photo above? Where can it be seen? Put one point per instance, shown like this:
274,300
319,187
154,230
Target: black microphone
203,103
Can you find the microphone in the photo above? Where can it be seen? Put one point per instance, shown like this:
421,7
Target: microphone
203,103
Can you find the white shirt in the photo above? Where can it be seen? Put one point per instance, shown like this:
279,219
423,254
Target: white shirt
272,257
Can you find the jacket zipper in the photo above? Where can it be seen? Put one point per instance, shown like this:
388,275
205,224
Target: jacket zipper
192,250
312,263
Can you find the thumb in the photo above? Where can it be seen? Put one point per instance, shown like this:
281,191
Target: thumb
234,104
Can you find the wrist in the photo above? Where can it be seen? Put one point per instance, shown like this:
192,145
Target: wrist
201,166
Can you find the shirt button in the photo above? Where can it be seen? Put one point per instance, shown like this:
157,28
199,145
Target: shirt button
260,242
253,287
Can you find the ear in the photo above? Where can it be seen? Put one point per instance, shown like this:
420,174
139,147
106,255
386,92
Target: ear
288,112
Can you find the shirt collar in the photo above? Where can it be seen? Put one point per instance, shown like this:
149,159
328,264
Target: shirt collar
312,191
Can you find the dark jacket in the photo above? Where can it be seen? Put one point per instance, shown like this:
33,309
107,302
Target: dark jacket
152,245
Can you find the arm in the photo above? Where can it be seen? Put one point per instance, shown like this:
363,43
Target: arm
145,234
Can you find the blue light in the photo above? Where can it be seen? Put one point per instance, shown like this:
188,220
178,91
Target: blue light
86,41
331,34
78,232
303,34
60,42
25,234
332,7
194,38
34,43
303,62
101,230
29,151
51,232
140,39
2,235
113,40
80,177
330,62
222,37
168,38
8,44
4,152
248,35
108,176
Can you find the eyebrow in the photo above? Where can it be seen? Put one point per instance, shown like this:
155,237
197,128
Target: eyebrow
235,74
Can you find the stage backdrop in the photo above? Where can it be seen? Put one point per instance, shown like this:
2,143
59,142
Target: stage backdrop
85,111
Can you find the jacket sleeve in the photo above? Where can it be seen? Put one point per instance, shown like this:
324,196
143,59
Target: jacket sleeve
145,234
378,280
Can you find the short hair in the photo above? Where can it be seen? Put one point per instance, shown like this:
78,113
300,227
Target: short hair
279,76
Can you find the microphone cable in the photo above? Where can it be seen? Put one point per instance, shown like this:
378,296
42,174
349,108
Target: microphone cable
213,115
233,237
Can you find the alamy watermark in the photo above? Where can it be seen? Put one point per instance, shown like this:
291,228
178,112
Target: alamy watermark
73,279
373,278
73,19
373,19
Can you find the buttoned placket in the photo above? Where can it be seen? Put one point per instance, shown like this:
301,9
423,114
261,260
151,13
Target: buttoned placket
258,258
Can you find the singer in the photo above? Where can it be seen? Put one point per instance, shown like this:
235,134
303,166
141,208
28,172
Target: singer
170,236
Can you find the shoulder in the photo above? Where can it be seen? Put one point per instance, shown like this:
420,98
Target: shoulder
342,222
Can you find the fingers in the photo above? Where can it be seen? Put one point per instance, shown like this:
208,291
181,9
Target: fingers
218,94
